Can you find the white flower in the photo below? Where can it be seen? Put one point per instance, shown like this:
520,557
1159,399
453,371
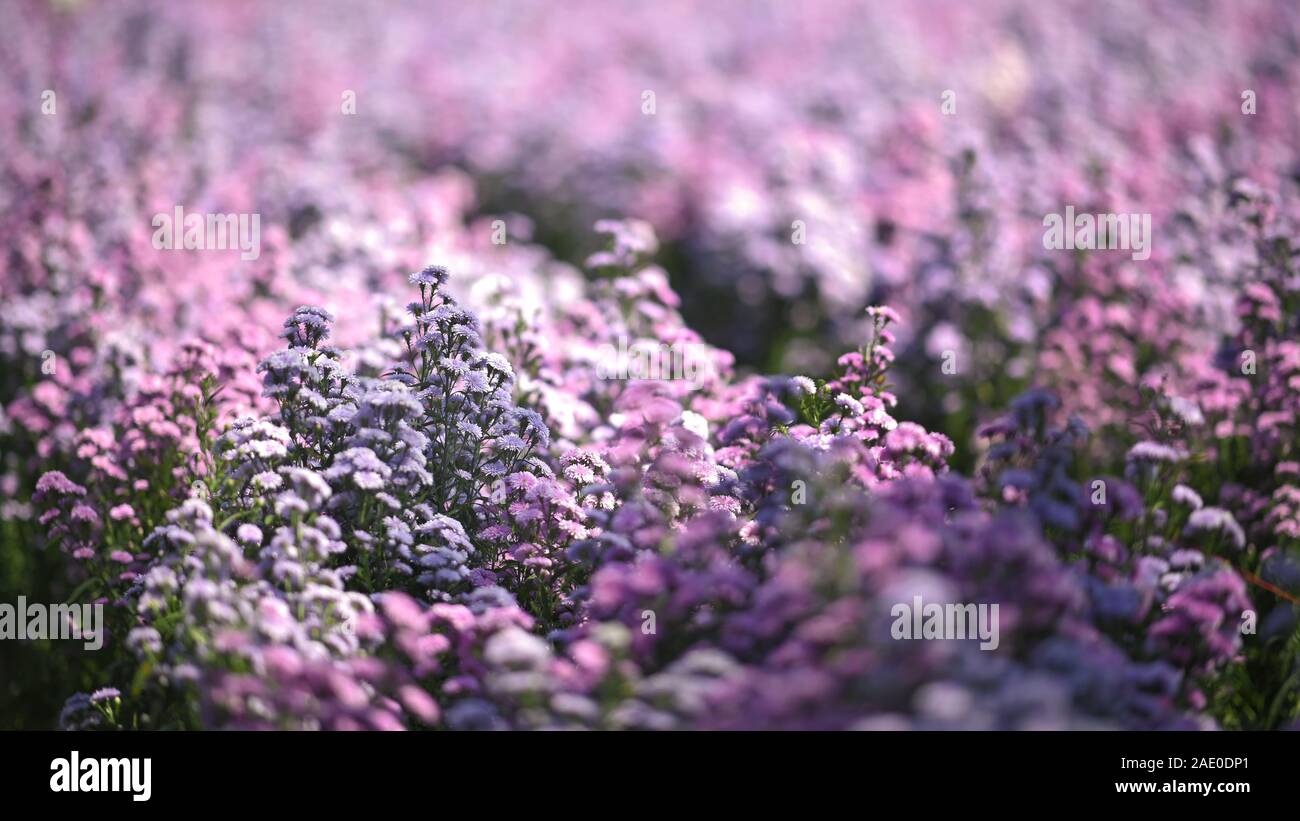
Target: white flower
517,648
696,424
848,403
267,481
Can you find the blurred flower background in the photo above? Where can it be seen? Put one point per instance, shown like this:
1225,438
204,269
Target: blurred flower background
373,479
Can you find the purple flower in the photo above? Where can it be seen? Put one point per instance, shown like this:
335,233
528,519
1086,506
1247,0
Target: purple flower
105,694
1184,495
1155,452
249,534
54,482
432,275
1216,520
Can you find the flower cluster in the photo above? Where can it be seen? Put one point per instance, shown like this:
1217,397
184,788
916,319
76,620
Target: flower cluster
413,549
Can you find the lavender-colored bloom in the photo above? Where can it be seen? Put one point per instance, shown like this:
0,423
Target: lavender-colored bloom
105,694
432,275
1216,520
1187,411
1155,452
1184,495
249,534
54,482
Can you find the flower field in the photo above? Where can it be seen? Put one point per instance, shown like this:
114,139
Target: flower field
651,366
